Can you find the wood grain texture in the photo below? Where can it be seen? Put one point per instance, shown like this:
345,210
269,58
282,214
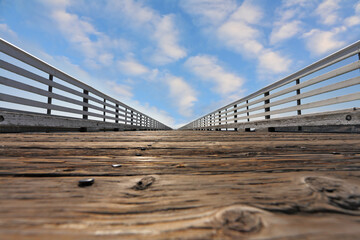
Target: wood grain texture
183,185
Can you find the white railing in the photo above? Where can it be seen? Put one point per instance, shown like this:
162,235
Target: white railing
316,88
74,100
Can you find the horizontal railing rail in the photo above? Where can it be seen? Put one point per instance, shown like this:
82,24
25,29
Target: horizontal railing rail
74,99
289,97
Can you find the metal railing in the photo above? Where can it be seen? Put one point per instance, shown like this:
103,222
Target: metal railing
75,99
307,89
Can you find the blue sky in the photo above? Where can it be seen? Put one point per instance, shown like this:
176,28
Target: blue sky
179,59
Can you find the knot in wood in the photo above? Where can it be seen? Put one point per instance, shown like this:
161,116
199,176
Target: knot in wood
239,221
338,193
144,183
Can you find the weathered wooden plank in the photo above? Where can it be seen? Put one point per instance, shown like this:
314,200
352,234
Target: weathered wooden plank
204,185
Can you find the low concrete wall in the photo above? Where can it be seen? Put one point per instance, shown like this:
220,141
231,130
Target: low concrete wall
17,121
311,122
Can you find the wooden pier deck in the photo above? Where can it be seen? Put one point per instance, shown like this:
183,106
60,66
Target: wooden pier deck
180,185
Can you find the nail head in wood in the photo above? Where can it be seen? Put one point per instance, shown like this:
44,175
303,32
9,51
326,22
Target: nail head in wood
86,182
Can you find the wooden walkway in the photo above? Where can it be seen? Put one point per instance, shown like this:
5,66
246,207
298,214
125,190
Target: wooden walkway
180,185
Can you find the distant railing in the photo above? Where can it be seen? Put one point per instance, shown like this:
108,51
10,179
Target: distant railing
283,103
75,99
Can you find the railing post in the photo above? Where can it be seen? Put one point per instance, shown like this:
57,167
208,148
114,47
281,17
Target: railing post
247,110
226,119
235,116
50,91
132,117
267,109
299,100
126,112
104,110
85,100
117,113
220,120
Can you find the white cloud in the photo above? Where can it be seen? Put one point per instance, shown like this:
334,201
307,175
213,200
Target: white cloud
76,30
161,29
120,90
320,42
182,94
290,3
352,21
327,11
97,47
135,12
274,62
287,14
355,19
239,33
106,59
209,11
6,30
208,69
240,36
248,13
285,31
132,67
357,7
168,50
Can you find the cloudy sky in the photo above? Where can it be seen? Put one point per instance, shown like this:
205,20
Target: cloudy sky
179,59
